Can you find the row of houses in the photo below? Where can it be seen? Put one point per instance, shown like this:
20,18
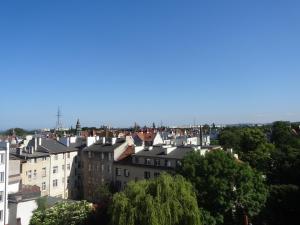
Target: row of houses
74,167
118,161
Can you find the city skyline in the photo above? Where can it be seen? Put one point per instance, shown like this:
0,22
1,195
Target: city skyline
117,63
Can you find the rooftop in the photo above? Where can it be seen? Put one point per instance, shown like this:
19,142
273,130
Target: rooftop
107,147
158,151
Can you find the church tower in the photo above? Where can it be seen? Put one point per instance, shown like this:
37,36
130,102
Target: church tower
78,128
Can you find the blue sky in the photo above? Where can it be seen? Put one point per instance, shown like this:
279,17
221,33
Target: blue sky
117,62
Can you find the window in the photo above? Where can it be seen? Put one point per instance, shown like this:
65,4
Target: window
136,159
29,174
109,168
68,167
89,155
178,163
44,172
126,173
54,183
63,180
68,155
43,186
55,169
2,156
156,174
63,167
55,157
157,162
102,167
35,160
63,155
109,156
1,196
1,177
148,161
102,155
1,215
167,163
118,172
44,158
90,168
34,174
146,174
68,180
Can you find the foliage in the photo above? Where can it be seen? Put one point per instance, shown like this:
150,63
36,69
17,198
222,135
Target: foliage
71,213
230,138
282,206
103,194
18,131
224,185
41,203
165,200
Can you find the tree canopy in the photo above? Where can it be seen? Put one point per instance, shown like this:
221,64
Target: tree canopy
224,186
71,213
166,200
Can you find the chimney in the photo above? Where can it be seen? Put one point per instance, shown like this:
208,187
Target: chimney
201,136
40,141
35,143
113,140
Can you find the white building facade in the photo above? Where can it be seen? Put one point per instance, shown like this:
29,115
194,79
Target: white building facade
4,160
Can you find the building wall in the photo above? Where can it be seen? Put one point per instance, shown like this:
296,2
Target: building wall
22,211
134,173
32,173
59,179
55,181
4,151
97,170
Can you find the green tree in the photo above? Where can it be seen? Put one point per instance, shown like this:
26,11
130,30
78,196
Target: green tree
230,138
224,185
282,206
41,204
165,200
255,149
71,213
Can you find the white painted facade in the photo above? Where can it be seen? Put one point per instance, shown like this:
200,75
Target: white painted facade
4,161
21,212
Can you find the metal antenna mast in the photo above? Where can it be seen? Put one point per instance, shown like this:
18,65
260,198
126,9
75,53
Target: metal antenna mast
58,122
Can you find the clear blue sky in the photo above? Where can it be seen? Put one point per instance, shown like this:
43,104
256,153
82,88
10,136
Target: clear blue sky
116,62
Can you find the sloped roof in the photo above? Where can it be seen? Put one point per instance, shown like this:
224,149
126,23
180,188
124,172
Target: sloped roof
129,151
100,147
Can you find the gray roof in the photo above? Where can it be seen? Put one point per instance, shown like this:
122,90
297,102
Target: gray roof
159,152
25,155
48,146
52,146
100,147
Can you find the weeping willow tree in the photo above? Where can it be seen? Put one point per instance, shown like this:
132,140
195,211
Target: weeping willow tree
166,200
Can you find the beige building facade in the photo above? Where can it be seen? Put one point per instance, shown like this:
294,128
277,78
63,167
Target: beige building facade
50,165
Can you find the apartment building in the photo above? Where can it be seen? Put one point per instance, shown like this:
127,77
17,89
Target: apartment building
50,165
149,162
98,164
4,164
